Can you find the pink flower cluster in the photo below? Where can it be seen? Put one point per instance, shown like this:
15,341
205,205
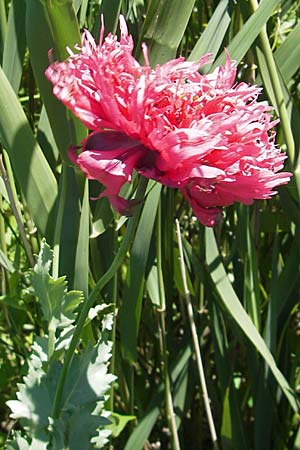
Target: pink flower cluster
203,134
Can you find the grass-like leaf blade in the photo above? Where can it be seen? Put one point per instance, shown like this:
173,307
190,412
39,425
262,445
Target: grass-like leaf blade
230,300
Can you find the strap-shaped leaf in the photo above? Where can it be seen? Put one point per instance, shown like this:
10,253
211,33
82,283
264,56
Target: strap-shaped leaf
241,43
164,28
67,129
228,297
15,44
130,313
30,166
213,35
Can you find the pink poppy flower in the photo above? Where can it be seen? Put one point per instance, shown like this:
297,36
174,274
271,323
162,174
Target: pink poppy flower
203,134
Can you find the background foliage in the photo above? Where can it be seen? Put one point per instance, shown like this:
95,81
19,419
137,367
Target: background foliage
243,276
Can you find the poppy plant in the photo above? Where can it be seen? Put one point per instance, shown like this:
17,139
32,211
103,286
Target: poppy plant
204,134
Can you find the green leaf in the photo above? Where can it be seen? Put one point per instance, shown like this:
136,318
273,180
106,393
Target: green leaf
3,190
227,295
41,35
63,24
142,432
46,139
31,169
232,432
81,272
34,396
119,422
287,56
69,205
102,218
84,393
213,35
243,40
88,380
152,285
15,44
164,27
5,262
110,10
57,304
133,292
18,443
226,428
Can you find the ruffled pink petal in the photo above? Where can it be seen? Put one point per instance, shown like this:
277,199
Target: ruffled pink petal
202,133
208,216
109,157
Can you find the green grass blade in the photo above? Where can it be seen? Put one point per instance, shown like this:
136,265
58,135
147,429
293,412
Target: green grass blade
265,384
287,56
232,432
230,300
142,432
66,128
164,27
251,273
232,435
5,262
81,274
3,190
2,27
133,292
46,139
63,24
83,11
30,166
70,225
110,10
54,25
292,110
15,44
241,43
213,35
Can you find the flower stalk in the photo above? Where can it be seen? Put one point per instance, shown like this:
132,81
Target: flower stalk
14,206
162,338
196,342
59,220
95,294
279,98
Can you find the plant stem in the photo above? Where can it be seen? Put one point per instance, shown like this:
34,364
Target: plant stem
13,203
162,338
119,258
59,219
2,229
285,123
279,98
196,342
113,353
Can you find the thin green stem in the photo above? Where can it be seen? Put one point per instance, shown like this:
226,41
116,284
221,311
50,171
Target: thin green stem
279,98
162,338
113,353
59,219
161,288
14,206
51,339
4,274
11,179
94,295
196,342
131,389
2,229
